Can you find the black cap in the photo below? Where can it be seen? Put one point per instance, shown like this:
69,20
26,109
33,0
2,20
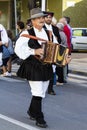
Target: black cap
48,13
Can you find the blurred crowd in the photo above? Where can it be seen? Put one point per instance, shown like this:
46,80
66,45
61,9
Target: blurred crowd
60,28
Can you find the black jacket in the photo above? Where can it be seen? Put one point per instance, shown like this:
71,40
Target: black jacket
56,33
31,68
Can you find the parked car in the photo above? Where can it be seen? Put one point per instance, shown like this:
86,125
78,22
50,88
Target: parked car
79,39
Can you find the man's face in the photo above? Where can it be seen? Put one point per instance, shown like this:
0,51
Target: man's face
48,19
38,22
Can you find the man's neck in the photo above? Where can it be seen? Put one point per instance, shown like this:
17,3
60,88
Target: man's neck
47,24
38,28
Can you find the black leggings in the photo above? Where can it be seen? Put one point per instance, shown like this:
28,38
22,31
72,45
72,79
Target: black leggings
59,72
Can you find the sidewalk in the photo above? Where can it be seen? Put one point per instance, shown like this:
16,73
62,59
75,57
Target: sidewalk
78,66
65,111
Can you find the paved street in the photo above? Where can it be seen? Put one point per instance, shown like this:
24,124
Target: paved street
78,64
65,111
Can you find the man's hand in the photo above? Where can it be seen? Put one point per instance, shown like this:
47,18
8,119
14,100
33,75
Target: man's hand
39,52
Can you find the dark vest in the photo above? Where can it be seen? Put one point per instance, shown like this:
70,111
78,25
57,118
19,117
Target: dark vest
32,68
34,43
56,33
1,49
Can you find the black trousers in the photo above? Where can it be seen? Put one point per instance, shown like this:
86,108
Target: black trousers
35,108
60,74
50,87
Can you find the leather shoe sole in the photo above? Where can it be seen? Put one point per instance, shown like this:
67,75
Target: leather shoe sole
31,117
52,93
41,125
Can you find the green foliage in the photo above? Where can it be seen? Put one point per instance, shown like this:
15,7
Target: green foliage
78,14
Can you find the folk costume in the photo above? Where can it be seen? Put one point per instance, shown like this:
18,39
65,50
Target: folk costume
31,64
55,32
32,69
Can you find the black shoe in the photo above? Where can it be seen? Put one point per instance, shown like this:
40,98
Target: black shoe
65,81
43,125
31,117
52,93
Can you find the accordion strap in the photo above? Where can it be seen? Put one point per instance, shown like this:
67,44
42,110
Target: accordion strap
33,37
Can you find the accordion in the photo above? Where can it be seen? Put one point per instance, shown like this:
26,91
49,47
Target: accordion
63,57
50,52
55,54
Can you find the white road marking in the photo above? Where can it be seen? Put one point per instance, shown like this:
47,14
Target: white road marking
77,76
16,122
77,81
10,79
80,80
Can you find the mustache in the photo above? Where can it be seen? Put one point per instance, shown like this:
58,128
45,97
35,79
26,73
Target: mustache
41,22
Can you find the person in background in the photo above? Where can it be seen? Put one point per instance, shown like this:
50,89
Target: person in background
20,27
28,24
5,58
3,38
60,70
11,50
54,21
68,24
55,31
67,32
37,73
68,35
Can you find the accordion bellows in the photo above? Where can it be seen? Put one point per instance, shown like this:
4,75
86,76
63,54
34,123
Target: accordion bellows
62,55
54,53
50,52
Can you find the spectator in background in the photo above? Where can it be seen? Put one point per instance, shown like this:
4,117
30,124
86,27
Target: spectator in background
62,34
68,24
67,32
20,27
54,31
11,50
60,70
3,38
54,21
68,35
5,58
28,24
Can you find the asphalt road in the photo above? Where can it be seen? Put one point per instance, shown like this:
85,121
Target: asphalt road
79,55
65,111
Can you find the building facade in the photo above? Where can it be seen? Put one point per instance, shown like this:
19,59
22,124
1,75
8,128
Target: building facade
75,9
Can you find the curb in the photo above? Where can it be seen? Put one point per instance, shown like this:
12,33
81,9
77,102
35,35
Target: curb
78,72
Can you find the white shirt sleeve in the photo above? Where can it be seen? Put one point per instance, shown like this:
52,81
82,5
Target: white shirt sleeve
22,49
4,36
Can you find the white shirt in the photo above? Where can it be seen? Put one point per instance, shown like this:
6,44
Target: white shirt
22,49
4,37
49,27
